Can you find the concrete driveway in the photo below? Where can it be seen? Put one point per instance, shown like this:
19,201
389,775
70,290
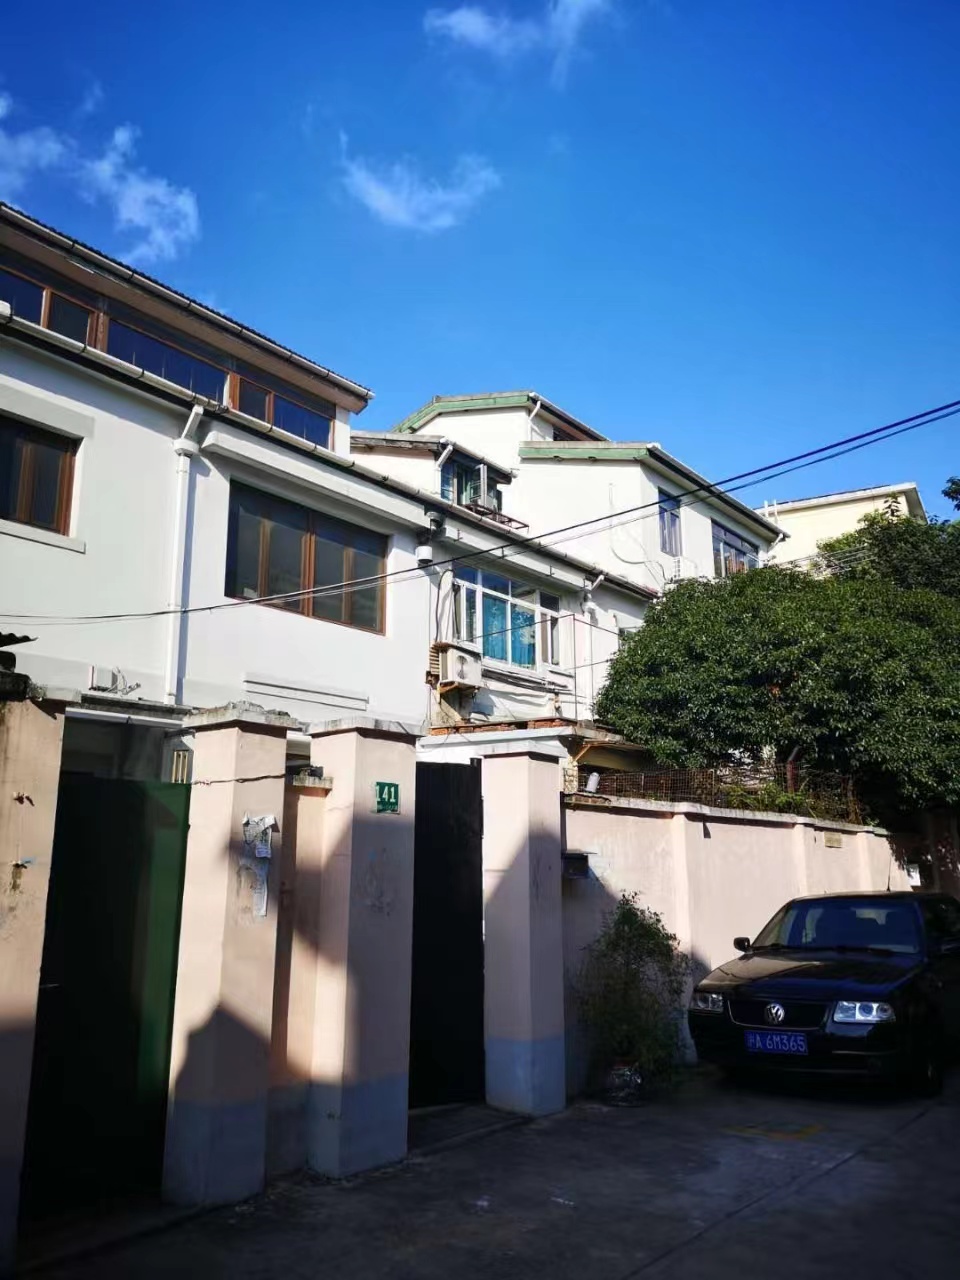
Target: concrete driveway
711,1181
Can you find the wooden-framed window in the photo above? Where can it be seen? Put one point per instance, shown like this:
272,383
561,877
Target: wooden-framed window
278,548
731,553
139,341
165,360
279,410
36,476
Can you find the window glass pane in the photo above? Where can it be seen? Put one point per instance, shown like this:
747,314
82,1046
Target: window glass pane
549,638
718,558
669,524
493,582
364,604
495,627
448,486
31,463
464,612
253,400
10,447
165,361
45,489
68,318
246,553
523,649
550,602
301,422
520,591
25,297
328,570
465,574
285,557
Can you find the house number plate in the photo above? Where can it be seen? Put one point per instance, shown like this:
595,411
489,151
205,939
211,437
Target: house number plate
387,797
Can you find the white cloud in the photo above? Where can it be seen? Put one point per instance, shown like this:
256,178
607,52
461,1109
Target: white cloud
566,20
92,100
399,196
470,25
26,153
165,218
558,30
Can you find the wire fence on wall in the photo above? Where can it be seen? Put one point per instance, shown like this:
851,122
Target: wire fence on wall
757,788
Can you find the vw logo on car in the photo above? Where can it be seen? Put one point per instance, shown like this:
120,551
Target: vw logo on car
774,1013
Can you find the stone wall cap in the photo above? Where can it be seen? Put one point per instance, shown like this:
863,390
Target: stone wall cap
250,714
369,725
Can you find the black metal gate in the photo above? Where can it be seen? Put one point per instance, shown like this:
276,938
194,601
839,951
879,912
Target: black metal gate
98,1092
446,1018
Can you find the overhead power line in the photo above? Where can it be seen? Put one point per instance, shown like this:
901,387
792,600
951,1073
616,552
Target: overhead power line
718,489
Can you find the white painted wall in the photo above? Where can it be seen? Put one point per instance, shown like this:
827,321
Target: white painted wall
547,494
119,555
118,559
493,433
810,526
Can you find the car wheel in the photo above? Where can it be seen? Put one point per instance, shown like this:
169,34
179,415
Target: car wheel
927,1074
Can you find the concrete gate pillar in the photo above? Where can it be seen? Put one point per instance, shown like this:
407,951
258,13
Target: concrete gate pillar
219,1069
358,879
523,941
30,739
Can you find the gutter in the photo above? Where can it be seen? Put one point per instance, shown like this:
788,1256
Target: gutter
116,269
135,377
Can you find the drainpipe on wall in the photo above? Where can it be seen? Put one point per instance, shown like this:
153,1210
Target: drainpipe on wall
186,448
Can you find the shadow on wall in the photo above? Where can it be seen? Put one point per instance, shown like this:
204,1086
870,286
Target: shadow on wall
594,903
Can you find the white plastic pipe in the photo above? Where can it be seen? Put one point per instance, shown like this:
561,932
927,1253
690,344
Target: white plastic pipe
186,449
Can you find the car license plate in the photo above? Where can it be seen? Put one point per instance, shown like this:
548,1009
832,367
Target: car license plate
775,1042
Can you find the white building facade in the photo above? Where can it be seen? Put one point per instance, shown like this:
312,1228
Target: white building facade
182,513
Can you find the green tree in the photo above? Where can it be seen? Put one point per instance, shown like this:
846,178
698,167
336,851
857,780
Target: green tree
892,547
951,491
860,675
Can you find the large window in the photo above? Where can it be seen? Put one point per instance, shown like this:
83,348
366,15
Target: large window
36,476
511,621
31,301
276,547
165,360
669,524
25,297
288,415
731,553
169,355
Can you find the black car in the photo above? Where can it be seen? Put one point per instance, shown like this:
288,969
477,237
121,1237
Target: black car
863,983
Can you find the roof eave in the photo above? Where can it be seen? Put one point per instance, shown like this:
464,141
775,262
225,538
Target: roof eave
129,275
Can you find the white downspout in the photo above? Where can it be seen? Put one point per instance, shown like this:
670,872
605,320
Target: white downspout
186,448
591,611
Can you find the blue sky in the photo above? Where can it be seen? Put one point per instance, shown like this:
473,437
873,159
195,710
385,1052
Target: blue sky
727,225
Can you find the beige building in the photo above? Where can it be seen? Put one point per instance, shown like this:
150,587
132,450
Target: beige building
809,521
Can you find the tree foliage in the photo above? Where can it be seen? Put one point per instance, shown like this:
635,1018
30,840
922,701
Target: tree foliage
629,990
858,673
889,546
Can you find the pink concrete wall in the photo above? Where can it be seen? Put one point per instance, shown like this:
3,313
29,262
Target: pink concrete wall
30,740
711,875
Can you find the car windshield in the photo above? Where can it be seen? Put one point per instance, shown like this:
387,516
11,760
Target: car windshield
843,924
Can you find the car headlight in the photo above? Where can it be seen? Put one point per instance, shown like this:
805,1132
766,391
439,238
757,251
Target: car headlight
863,1011
707,1002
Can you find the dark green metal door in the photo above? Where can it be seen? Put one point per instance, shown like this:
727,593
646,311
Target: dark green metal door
102,1052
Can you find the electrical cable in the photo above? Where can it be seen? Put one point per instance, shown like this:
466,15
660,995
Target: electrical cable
720,488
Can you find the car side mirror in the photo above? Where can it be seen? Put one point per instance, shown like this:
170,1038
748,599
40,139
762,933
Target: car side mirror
741,944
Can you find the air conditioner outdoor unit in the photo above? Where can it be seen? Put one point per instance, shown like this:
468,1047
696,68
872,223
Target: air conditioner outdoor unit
459,668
